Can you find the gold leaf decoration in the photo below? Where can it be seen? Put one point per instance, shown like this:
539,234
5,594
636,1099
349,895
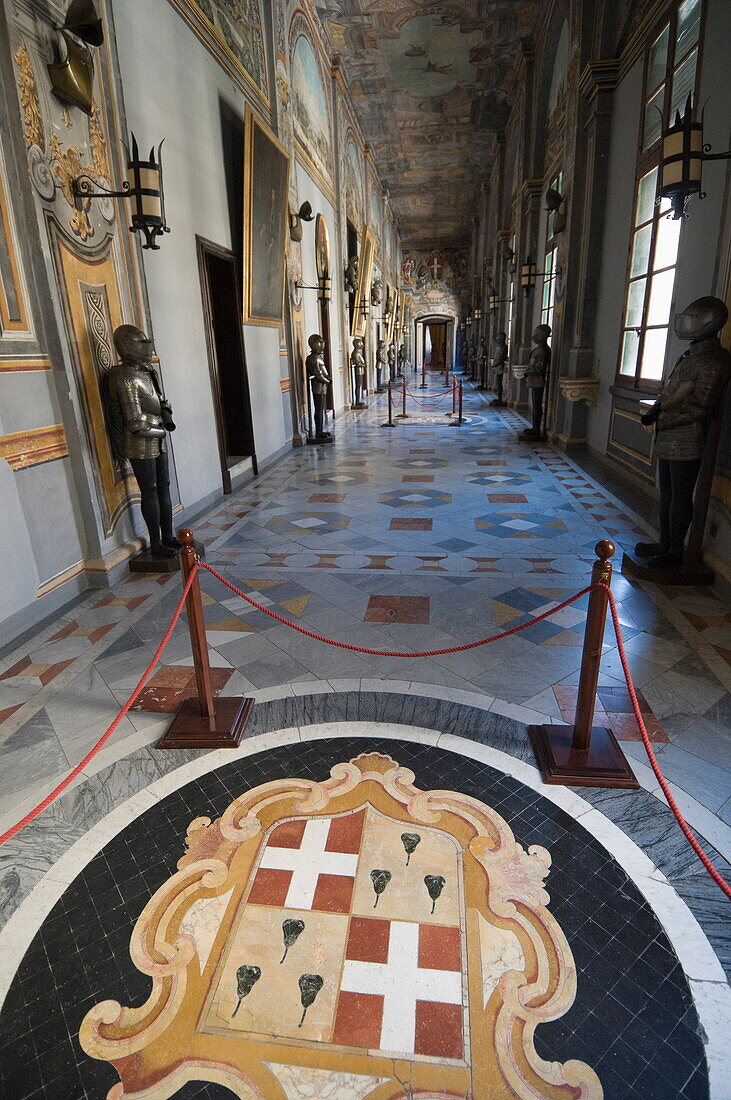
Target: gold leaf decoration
33,132
98,145
67,167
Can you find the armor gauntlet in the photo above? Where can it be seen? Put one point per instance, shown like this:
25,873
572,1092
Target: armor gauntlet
148,426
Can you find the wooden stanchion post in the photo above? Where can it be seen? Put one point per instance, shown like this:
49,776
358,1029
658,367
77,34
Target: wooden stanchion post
460,419
454,396
423,373
584,755
403,415
389,423
203,722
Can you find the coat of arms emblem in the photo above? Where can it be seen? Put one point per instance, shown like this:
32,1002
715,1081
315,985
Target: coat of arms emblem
356,934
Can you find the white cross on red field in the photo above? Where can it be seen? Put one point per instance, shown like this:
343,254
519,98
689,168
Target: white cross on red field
308,862
401,983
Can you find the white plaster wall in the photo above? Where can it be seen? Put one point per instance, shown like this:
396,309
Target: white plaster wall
172,89
617,229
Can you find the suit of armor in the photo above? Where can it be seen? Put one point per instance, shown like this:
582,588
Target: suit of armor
319,382
146,418
688,401
536,376
358,363
499,359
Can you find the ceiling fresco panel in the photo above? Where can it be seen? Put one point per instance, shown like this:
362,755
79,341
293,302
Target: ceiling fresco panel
433,84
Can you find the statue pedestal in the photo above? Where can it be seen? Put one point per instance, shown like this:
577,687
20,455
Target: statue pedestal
528,436
144,562
685,575
319,441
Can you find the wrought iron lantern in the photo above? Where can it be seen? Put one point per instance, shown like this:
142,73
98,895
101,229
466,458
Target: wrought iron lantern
683,153
528,276
143,187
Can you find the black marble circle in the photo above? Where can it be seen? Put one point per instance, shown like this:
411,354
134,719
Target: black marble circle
633,1019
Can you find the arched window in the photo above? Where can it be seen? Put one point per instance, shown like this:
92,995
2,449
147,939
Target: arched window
671,75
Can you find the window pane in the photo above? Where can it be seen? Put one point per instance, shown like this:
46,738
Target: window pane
653,354
653,119
646,197
635,302
666,240
630,347
661,297
657,61
683,85
689,21
641,251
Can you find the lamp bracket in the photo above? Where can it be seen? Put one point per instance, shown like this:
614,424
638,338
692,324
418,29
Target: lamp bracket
83,187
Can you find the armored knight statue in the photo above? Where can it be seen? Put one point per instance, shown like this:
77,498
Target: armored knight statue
482,364
319,382
682,414
146,419
351,275
401,359
380,364
391,356
358,364
536,378
499,362
376,291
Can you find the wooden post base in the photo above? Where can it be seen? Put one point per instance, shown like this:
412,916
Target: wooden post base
603,764
688,574
225,730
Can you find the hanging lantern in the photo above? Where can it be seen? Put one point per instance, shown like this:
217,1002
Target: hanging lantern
683,153
528,276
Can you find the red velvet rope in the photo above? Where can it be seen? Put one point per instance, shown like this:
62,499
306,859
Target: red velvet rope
390,653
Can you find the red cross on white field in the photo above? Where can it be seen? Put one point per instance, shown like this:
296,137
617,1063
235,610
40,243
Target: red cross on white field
308,862
401,982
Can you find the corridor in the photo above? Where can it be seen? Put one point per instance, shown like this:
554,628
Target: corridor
418,537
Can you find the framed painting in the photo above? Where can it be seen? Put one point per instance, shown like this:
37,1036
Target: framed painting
266,198
365,272
322,249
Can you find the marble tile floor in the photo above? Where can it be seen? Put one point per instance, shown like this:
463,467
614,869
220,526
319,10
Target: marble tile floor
473,566
650,995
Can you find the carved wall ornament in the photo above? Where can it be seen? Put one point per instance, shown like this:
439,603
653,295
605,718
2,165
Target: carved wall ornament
580,389
98,146
240,994
67,166
28,90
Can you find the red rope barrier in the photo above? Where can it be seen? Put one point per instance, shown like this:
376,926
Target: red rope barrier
651,755
110,729
664,786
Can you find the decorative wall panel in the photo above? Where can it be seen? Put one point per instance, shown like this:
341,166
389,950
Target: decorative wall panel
90,288
33,446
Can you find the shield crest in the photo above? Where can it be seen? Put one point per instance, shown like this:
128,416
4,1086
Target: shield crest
357,932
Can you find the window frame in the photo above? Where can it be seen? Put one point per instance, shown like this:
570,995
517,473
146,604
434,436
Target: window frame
647,160
550,251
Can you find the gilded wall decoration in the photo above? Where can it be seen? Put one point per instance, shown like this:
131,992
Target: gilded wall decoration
33,446
232,30
67,166
28,91
97,145
273,968
92,304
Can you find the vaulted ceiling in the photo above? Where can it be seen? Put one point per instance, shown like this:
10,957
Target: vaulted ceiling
433,85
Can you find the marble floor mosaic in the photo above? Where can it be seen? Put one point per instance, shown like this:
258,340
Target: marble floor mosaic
417,538
334,936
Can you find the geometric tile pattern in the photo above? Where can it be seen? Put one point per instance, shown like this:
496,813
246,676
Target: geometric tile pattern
424,498
521,525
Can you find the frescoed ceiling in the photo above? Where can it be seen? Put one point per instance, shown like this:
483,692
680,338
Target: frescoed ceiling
433,85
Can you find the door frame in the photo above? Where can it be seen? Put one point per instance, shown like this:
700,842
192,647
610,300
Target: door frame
204,248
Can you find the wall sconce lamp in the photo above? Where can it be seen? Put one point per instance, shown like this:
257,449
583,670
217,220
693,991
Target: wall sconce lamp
323,286
478,314
529,275
494,301
143,187
683,153
364,306
304,214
